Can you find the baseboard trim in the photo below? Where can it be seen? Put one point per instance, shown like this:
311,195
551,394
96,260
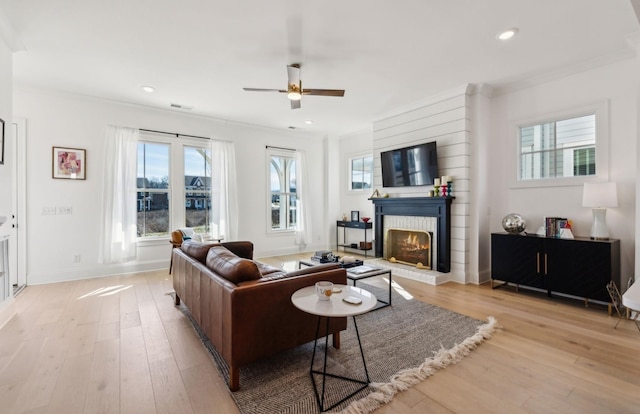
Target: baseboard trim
7,311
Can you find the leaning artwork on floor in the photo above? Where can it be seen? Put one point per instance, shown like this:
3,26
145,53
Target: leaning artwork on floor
404,344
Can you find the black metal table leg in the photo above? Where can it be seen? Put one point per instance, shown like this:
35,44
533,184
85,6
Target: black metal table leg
321,397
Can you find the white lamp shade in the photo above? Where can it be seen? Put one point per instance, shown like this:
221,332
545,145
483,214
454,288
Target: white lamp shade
600,195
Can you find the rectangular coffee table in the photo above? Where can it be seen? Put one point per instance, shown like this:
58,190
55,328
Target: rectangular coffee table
359,273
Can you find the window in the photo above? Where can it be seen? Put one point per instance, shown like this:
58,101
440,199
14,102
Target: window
282,189
584,161
558,149
197,188
153,189
174,177
361,173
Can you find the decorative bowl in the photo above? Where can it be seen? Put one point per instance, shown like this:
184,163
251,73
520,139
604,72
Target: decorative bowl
514,223
366,219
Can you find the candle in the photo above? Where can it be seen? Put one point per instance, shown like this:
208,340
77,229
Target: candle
447,178
436,181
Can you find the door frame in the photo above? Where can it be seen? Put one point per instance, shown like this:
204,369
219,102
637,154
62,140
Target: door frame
18,243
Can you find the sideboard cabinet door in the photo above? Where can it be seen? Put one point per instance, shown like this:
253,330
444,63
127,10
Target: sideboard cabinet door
517,259
583,267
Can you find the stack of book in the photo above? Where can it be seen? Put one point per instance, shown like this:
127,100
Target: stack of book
554,225
324,256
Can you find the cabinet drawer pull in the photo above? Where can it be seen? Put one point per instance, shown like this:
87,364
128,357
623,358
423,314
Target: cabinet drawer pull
545,263
538,262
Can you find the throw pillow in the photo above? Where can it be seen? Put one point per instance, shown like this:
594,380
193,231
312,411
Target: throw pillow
196,249
231,267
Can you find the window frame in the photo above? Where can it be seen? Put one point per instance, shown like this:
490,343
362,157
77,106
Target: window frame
270,153
177,213
601,112
350,160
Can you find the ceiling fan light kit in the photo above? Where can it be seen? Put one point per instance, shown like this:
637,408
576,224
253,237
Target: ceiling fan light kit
294,89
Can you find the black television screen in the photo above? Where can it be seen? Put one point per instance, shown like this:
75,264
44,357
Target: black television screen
416,165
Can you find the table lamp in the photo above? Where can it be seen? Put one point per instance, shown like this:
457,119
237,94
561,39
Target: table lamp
599,196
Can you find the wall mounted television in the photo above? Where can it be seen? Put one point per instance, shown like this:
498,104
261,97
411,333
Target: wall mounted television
410,166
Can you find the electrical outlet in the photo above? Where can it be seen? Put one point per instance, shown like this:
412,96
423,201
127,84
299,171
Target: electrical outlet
48,210
76,258
65,210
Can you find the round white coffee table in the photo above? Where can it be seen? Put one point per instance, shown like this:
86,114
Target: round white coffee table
307,301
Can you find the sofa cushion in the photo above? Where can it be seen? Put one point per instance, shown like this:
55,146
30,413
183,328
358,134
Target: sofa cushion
196,249
243,249
231,267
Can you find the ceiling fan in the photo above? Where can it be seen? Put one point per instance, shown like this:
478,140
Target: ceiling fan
294,89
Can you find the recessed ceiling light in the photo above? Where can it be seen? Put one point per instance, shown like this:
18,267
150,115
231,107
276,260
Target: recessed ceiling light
148,89
507,34
308,122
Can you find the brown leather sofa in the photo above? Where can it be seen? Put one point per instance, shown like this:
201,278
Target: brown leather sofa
243,306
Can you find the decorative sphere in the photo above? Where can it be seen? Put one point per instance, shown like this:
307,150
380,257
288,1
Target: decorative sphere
514,223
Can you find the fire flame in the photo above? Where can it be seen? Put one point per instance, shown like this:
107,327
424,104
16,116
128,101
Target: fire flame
412,241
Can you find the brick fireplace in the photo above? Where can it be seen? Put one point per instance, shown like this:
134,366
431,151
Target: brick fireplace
431,215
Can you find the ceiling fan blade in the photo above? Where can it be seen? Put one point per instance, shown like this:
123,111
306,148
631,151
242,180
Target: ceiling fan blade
264,90
323,92
293,74
295,104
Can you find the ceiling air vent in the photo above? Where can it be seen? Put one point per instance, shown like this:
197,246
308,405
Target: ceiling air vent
292,127
178,106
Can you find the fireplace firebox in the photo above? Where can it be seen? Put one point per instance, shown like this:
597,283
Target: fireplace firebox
412,247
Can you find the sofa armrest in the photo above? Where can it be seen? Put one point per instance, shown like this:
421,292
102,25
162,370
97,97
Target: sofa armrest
313,269
264,319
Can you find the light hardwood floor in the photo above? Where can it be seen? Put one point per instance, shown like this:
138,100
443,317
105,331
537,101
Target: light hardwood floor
118,345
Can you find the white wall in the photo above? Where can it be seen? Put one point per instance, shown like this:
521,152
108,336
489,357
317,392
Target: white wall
479,246
6,190
6,63
355,144
57,119
616,83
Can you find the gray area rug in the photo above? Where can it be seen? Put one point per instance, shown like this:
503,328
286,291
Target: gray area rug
403,344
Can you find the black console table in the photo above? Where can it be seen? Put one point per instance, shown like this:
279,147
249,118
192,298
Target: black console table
344,225
578,267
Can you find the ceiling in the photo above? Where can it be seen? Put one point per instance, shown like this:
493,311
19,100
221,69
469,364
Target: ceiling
386,55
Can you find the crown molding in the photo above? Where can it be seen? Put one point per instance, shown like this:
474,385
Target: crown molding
559,73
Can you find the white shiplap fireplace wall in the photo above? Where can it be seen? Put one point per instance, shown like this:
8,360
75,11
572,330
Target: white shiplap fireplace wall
444,118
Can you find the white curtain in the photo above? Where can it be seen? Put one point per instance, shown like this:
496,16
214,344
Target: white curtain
303,206
224,198
119,211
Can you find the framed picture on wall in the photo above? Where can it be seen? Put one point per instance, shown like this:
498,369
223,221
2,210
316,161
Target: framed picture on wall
1,141
69,163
